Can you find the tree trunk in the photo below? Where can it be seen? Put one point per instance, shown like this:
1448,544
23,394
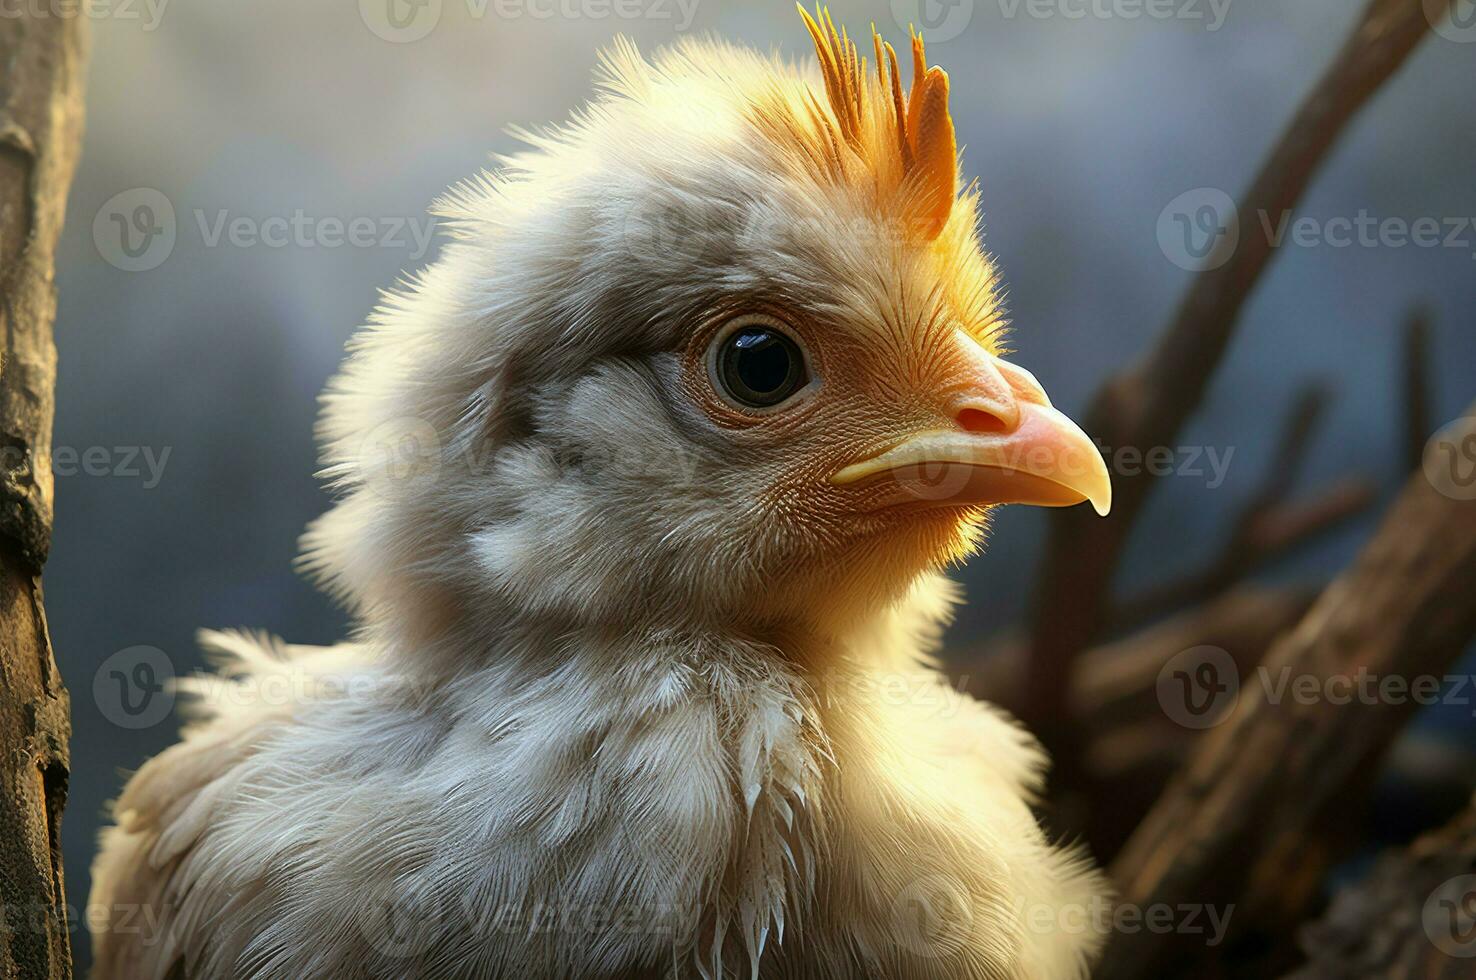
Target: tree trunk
41,79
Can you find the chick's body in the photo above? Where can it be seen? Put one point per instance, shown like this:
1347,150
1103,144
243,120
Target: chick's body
641,687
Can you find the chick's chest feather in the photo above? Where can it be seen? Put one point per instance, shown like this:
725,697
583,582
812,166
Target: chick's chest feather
724,805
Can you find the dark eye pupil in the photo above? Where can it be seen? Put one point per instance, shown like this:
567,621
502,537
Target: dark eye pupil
760,366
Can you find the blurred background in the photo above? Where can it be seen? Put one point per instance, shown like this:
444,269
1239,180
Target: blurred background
252,173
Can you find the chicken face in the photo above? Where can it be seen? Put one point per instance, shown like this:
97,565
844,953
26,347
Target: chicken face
882,435
719,348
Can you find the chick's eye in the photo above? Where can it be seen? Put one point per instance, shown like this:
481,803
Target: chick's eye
760,366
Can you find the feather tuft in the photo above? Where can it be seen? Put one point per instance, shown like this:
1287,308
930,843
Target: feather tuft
908,143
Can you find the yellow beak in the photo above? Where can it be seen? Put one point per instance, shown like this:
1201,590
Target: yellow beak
1007,445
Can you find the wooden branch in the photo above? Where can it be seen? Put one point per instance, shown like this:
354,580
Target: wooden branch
41,80
1247,807
1413,916
1117,685
1114,684
1148,404
1133,747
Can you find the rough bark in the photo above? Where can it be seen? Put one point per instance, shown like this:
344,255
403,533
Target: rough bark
1413,916
1249,812
41,67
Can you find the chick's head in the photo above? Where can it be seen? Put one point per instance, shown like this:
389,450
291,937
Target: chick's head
724,346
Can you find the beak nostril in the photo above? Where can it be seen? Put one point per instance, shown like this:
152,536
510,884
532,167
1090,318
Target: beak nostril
978,420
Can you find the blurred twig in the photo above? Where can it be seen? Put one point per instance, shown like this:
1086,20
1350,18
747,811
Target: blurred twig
1267,527
1416,388
1146,405
1114,684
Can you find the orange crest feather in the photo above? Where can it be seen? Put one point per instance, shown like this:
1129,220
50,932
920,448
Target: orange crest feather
919,130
